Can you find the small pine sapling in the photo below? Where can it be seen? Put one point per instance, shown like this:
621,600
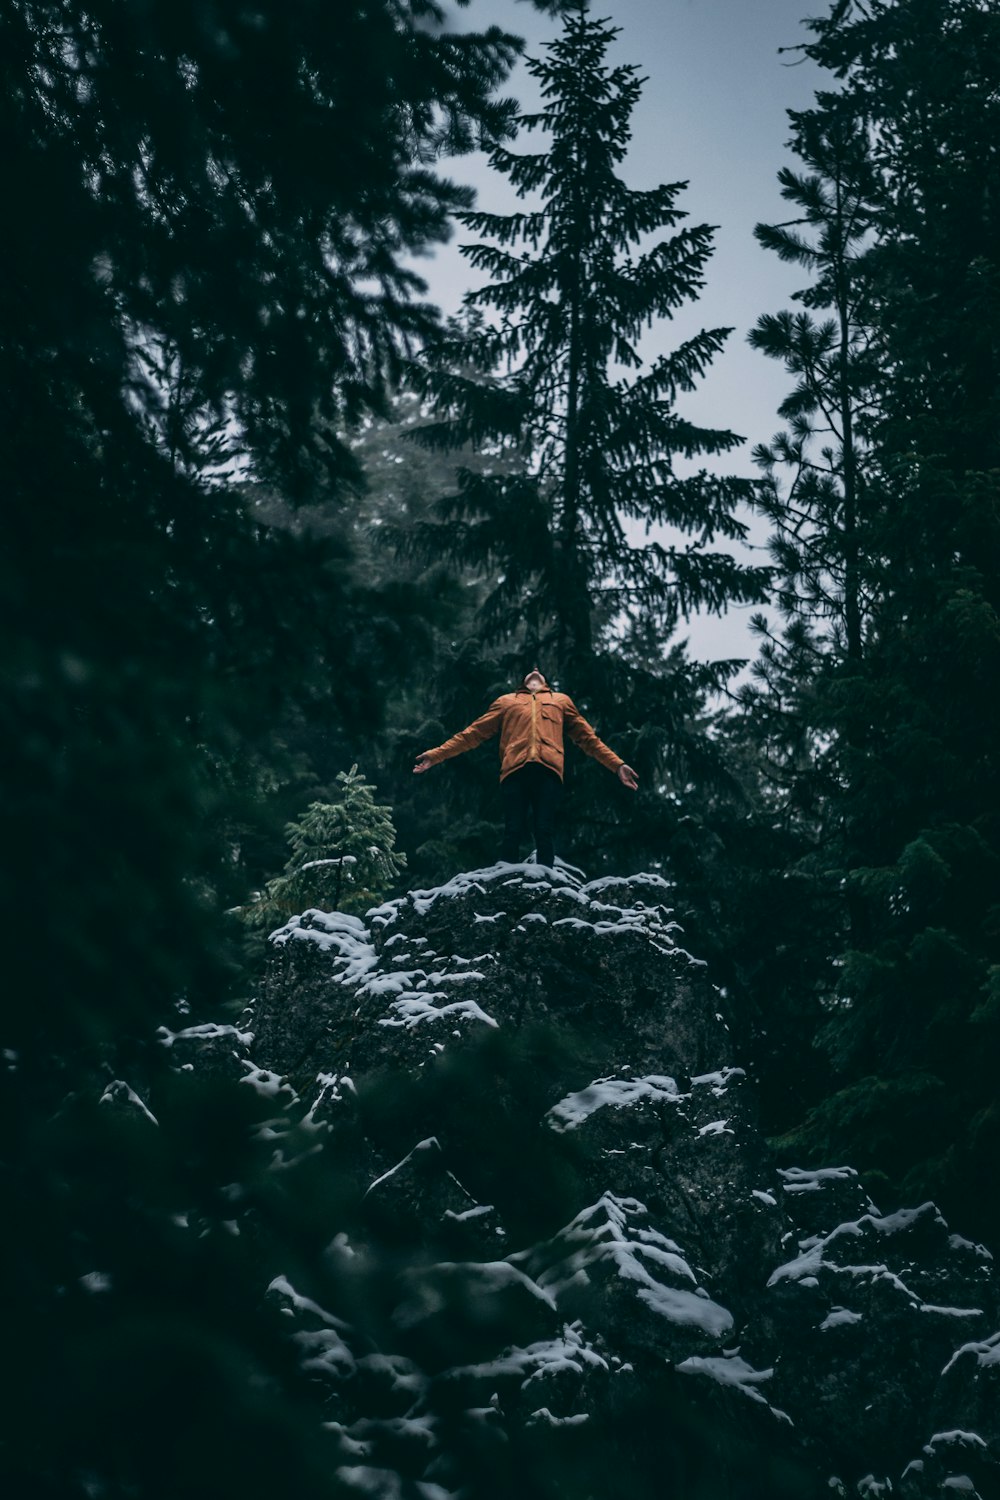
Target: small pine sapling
343,857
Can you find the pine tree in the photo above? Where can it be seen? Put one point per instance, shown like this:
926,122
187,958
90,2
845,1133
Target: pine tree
914,1026
343,857
820,519
554,377
790,843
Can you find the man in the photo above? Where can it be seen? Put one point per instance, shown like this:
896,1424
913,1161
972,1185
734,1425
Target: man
530,724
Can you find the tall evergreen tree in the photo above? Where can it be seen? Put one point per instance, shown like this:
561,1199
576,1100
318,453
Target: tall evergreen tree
779,935
819,518
555,376
914,1026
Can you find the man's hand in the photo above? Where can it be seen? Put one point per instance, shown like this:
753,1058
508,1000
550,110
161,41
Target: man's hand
628,778
423,764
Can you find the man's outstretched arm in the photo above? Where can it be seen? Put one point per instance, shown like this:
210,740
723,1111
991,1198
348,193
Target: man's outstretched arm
480,730
590,742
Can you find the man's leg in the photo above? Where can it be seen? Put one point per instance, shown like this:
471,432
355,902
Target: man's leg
545,805
515,790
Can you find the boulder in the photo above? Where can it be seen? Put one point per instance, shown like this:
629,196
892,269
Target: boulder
566,1248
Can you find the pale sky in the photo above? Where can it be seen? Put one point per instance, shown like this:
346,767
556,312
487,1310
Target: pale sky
712,112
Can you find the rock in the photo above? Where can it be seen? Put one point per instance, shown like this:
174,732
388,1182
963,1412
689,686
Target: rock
566,1248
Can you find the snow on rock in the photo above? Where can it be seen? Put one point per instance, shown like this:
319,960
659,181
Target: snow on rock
570,1353
854,1251
343,938
729,1369
552,1209
544,1415
719,1081
430,1144
613,1241
215,1048
264,1082
951,1462
474,882
839,1317
964,1439
798,1181
119,1093
412,1010
210,1032
986,1353
615,1093
958,1242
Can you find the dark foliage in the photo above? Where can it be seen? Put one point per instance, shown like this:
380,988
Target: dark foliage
209,211
899,711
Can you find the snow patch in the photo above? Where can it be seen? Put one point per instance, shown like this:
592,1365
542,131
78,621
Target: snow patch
96,1281
331,1090
282,1287
952,1312
469,1213
269,1085
987,1352
837,1317
118,1091
732,1370
336,933
813,1257
956,1437
430,1144
798,1180
571,1353
477,881
605,1236
805,1264
544,1417
617,1093
614,882
718,1082
412,1010
956,1242
209,1032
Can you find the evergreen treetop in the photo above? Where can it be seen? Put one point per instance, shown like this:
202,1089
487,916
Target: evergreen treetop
554,374
343,857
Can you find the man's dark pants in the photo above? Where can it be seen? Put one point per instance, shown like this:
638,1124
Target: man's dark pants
531,798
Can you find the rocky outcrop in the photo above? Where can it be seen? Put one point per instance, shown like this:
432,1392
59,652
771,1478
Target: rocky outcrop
564,1261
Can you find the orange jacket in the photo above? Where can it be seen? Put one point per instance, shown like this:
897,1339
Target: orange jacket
530,726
